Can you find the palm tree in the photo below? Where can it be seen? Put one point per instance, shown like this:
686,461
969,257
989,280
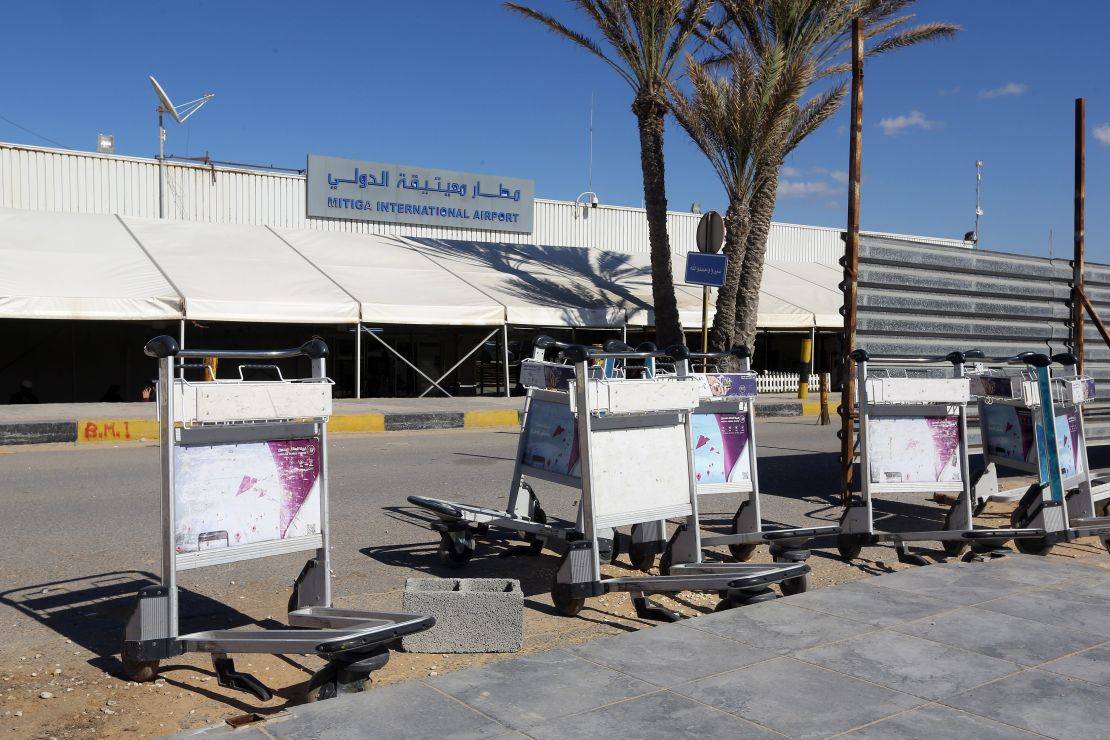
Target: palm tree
817,32
741,123
647,40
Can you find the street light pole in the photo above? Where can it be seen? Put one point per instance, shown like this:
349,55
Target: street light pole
161,166
978,185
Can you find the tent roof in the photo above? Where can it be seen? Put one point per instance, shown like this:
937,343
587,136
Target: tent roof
393,281
106,267
543,286
228,272
793,295
78,266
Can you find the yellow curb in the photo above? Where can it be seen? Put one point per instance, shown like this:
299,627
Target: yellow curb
811,408
498,418
357,423
116,430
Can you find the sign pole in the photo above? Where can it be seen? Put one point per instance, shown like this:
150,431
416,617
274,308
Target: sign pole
705,318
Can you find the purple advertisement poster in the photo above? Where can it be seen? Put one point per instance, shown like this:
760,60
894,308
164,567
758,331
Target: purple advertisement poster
914,449
721,449
1067,443
727,385
1008,432
551,439
228,495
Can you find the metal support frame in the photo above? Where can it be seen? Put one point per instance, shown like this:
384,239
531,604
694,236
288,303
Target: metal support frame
403,359
467,356
505,355
358,360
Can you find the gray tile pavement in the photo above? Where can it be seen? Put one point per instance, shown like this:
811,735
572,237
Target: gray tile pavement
896,656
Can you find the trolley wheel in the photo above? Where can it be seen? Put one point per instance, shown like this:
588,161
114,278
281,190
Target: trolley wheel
742,552
849,545
641,554
535,544
952,548
1032,545
791,586
724,605
665,561
139,671
450,555
566,605
324,684
1106,543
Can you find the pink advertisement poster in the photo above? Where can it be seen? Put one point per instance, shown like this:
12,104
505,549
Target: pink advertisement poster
228,495
721,449
551,439
914,449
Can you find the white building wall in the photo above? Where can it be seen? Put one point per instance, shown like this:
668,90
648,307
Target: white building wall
86,182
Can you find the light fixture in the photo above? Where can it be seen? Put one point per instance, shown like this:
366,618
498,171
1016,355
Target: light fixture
695,207
593,201
105,143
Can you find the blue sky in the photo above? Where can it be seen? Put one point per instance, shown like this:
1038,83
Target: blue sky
466,85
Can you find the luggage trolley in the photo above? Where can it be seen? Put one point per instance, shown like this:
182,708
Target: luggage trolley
244,475
636,465
546,450
913,439
1014,406
725,461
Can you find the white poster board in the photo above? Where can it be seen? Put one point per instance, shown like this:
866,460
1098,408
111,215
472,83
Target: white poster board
914,449
721,449
551,439
239,495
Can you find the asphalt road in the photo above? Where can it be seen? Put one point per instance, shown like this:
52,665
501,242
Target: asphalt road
84,523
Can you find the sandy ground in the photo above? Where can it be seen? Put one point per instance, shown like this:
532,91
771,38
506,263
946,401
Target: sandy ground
62,690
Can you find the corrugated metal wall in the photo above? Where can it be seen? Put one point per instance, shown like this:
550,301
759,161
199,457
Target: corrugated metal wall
931,300
87,182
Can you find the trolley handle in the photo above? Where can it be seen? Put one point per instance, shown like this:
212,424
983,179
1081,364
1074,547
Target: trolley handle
1066,359
543,341
1036,359
581,353
616,345
956,358
166,346
680,352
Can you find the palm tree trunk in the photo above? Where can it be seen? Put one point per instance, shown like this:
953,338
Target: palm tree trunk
755,253
650,115
736,233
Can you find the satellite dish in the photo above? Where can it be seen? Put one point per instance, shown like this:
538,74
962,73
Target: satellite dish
167,106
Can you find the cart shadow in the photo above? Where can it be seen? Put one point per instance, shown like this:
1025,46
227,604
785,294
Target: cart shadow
92,611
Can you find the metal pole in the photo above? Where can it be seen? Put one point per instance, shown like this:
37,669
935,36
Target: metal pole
358,360
181,344
161,166
705,318
505,354
1077,263
805,367
978,209
851,263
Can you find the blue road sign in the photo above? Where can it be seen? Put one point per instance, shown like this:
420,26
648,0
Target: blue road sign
705,269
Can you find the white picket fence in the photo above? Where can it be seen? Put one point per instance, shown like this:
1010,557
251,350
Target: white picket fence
778,382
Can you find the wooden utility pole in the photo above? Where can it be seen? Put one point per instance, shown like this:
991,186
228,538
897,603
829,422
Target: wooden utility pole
1077,293
851,264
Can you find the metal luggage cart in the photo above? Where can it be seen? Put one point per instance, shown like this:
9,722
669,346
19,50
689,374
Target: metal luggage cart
637,465
1013,408
547,451
913,439
244,475
725,457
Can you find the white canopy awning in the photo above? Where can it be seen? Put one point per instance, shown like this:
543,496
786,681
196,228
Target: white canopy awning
228,272
393,281
542,286
106,267
78,266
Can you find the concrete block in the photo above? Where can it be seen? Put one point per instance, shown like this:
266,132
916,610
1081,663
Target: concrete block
473,615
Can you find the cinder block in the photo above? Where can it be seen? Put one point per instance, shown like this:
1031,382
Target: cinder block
473,615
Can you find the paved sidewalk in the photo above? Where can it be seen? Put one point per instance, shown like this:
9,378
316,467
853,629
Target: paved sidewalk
998,649
92,423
